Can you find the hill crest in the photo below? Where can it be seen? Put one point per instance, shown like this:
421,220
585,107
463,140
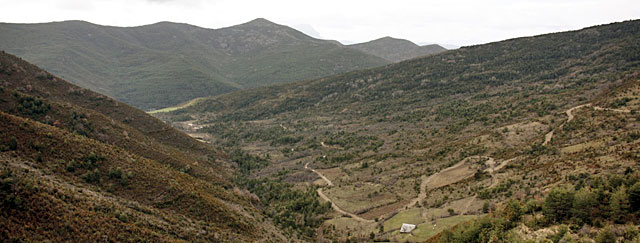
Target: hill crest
164,64
396,50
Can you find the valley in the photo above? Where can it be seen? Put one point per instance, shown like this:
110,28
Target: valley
260,133
446,139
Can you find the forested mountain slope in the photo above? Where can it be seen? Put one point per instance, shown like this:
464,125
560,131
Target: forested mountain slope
77,165
164,64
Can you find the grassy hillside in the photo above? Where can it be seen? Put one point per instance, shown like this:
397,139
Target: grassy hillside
164,64
77,165
435,138
396,50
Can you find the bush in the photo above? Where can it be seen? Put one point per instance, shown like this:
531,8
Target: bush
485,207
562,230
606,236
13,143
115,173
71,166
92,176
630,233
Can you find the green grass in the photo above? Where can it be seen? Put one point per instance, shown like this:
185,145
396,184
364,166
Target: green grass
411,216
355,199
426,230
178,107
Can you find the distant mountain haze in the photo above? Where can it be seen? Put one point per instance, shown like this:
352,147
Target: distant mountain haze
396,50
164,64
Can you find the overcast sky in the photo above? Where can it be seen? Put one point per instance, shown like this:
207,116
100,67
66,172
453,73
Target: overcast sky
457,22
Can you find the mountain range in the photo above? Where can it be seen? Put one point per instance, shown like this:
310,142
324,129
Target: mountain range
164,64
531,139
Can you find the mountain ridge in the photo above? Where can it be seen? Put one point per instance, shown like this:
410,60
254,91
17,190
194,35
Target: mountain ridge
69,156
163,64
396,50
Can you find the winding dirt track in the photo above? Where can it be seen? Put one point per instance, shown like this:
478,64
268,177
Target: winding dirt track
426,180
333,205
306,166
569,112
340,210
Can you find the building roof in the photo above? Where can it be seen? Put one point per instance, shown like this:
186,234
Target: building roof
407,228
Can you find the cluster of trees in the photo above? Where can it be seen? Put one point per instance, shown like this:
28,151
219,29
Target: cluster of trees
294,210
246,162
618,202
32,105
349,140
595,201
8,197
291,209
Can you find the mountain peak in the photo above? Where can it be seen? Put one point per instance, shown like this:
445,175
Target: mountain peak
261,22
389,39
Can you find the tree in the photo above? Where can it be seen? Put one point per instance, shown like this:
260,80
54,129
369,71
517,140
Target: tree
485,207
585,203
619,205
557,205
634,197
512,211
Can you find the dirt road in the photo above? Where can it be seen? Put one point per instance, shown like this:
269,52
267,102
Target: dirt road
454,174
340,210
333,205
569,112
306,166
440,179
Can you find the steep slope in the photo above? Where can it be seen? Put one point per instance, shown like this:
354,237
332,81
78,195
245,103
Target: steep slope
77,165
396,50
164,64
438,140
